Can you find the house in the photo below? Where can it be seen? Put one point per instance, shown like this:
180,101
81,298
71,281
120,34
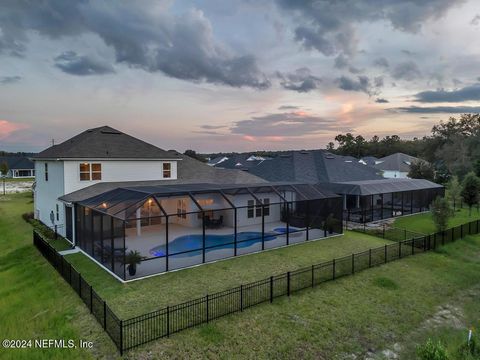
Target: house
367,195
110,193
395,166
18,166
240,161
368,160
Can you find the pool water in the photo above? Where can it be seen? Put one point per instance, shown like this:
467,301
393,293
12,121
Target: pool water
195,242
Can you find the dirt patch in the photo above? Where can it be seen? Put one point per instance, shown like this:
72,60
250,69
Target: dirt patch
13,187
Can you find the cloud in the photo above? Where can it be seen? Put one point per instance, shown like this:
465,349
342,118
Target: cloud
290,124
73,64
471,92
7,128
288,107
361,83
342,62
213,127
141,35
439,109
330,26
301,80
5,80
407,70
381,101
476,20
381,62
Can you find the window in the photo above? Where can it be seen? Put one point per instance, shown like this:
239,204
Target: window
46,171
85,172
266,207
167,170
57,212
258,209
90,171
182,208
250,209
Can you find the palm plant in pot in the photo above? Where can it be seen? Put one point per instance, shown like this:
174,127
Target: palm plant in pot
132,259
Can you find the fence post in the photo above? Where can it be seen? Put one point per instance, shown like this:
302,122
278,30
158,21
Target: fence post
313,276
207,306
434,242
333,269
424,243
91,299
288,283
385,253
241,297
121,337
80,285
370,257
353,264
443,237
168,321
271,289
383,231
56,232
400,249
104,315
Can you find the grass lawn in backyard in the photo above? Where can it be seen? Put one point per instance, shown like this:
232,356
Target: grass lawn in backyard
423,223
373,309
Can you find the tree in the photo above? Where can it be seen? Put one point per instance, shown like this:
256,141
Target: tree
441,213
421,170
471,190
454,190
476,167
4,168
193,154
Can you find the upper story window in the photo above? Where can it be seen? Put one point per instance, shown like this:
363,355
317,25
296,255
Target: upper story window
167,170
46,171
90,171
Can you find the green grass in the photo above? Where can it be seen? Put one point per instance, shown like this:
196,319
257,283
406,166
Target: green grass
150,294
423,222
372,309
35,303
18,180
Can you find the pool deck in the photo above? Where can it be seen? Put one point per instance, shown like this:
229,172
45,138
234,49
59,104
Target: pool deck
154,235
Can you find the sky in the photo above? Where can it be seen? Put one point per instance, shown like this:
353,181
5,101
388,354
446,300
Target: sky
237,75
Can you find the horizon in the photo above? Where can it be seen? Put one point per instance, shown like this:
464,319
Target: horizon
183,75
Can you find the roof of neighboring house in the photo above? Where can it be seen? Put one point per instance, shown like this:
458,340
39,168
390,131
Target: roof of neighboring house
396,162
189,171
384,186
313,166
104,143
368,160
122,202
17,162
241,161
217,160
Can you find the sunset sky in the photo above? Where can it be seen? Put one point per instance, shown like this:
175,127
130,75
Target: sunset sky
216,75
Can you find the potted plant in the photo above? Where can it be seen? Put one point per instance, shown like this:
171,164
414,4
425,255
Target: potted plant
132,259
330,223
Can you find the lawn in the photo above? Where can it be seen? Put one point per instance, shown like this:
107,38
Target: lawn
373,309
423,222
138,297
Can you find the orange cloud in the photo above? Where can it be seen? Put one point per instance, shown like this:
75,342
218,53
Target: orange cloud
249,138
7,128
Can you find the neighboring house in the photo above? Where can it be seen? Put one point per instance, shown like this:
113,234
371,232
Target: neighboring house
110,193
217,160
19,166
240,161
368,160
396,165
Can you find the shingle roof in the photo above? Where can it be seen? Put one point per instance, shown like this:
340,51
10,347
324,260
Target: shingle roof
384,186
17,162
189,171
313,166
241,161
104,143
396,162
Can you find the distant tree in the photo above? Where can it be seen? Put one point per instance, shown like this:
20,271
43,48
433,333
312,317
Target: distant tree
422,170
331,146
471,190
193,154
476,167
4,168
454,190
441,213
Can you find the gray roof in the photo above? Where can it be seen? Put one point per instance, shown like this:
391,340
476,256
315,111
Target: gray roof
314,166
104,143
240,161
396,162
17,162
369,160
384,186
189,171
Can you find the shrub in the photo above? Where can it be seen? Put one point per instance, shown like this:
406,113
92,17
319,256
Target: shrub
385,283
432,351
469,350
28,216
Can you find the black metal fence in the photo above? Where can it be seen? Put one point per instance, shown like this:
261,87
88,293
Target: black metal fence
135,331
386,232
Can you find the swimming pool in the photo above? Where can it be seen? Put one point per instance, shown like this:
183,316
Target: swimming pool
195,242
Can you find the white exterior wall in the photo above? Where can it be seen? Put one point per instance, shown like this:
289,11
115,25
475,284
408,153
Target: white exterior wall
47,193
117,170
391,174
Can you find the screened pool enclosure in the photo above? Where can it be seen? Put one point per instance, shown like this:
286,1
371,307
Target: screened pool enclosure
175,226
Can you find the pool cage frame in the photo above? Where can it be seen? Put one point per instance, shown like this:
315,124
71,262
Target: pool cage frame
105,218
